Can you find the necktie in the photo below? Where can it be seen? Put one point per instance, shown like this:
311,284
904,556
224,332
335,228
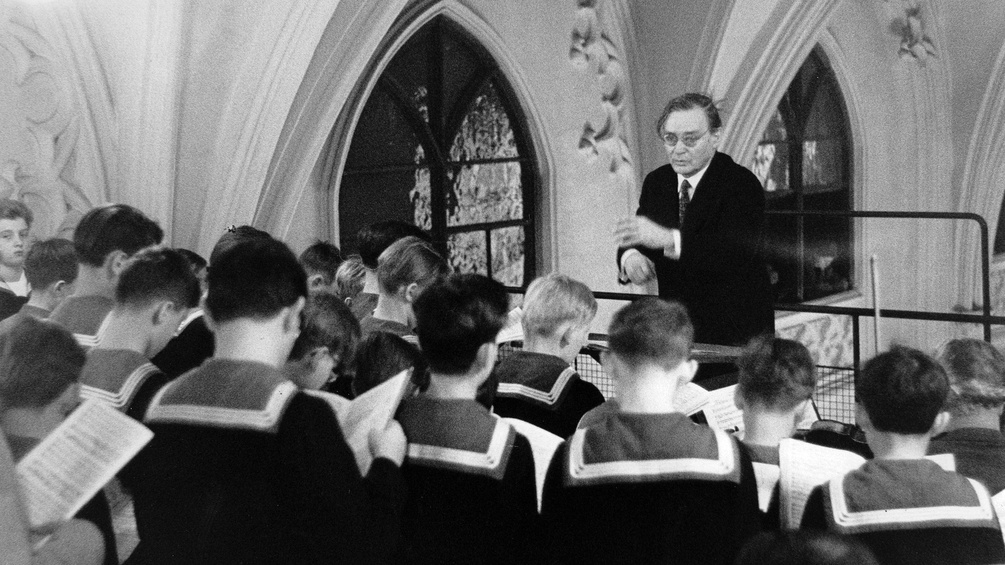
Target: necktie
685,199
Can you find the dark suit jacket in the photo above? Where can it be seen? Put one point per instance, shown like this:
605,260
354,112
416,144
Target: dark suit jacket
721,276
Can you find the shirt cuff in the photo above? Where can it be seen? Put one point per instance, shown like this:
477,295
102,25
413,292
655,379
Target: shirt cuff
628,253
673,251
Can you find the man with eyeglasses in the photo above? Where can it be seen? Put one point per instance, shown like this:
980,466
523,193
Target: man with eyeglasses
699,229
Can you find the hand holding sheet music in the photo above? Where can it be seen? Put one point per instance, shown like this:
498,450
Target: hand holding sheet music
72,463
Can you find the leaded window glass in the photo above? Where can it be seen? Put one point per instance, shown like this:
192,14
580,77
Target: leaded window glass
803,162
440,143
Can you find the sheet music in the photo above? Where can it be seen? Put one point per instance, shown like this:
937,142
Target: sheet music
690,398
543,443
803,467
513,329
767,476
371,410
721,410
72,463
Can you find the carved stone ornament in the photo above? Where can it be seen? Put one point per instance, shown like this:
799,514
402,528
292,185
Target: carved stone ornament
914,42
592,51
38,128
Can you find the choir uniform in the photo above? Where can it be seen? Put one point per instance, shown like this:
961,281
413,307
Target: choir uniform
543,390
471,491
979,453
649,488
910,511
123,379
244,468
190,346
84,316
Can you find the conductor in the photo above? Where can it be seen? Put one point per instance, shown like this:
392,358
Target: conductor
699,229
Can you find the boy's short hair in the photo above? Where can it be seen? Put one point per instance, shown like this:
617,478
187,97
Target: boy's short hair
409,260
902,391
776,373
349,277
382,355
651,331
328,322
11,209
372,240
115,227
455,316
554,300
49,262
321,258
157,274
255,278
976,372
38,360
232,236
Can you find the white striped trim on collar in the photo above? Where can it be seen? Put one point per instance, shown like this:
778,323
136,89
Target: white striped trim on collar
549,398
491,462
219,416
90,341
188,320
848,522
647,470
120,399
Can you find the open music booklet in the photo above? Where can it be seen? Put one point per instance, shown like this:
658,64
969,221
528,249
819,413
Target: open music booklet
76,460
720,409
371,410
805,465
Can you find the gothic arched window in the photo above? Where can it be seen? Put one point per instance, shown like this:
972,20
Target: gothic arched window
441,143
803,161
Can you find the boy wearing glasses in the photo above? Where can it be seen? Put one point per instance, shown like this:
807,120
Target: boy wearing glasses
698,229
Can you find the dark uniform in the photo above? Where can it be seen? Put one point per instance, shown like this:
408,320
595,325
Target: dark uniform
121,378
84,316
649,488
244,468
910,511
471,491
543,390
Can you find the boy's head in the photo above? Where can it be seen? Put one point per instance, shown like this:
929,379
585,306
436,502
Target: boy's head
349,278
232,236
382,355
43,383
457,321
375,238
158,285
976,372
901,391
775,374
651,332
558,307
111,234
51,266
15,222
327,341
321,261
255,279
408,266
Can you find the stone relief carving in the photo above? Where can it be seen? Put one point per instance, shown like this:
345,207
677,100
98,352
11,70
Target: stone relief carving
592,50
38,129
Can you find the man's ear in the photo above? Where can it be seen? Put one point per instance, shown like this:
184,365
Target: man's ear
162,312
940,424
687,371
291,320
486,356
411,292
862,418
315,282
738,398
115,263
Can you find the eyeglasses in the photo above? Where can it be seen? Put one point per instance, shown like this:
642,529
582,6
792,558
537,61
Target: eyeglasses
690,140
